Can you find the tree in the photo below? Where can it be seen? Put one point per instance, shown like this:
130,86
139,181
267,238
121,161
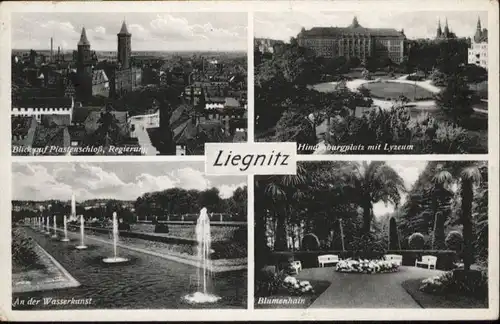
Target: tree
456,99
370,183
467,176
394,243
282,191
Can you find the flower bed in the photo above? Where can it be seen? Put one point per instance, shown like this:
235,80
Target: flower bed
297,287
366,266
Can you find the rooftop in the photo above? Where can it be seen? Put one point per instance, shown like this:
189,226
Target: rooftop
83,38
354,29
43,102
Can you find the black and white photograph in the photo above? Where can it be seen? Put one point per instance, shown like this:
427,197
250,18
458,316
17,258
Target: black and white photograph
373,234
127,235
372,82
105,83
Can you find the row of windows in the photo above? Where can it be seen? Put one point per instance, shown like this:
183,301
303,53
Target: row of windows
43,109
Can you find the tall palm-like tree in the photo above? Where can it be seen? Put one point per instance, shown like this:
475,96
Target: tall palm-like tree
466,176
281,192
371,182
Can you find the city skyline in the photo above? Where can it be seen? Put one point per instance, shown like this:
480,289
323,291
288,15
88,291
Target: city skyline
423,24
210,32
120,180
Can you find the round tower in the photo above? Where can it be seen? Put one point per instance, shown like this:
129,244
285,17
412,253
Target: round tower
124,47
84,68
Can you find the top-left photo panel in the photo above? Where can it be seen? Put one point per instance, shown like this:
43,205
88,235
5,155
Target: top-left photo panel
127,83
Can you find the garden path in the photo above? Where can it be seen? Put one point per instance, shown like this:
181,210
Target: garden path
349,290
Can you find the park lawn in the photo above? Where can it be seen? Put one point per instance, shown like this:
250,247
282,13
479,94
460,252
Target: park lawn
426,300
319,288
393,90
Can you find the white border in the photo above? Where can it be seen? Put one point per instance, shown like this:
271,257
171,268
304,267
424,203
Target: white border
250,6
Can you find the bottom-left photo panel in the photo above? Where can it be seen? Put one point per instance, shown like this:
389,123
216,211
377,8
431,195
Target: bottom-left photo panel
122,235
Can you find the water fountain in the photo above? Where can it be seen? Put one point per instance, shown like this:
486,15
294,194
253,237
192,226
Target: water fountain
115,258
82,245
65,238
203,240
55,228
47,226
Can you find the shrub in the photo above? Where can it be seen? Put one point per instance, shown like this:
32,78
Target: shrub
469,283
124,227
161,228
368,247
268,281
454,241
416,241
394,243
438,233
23,250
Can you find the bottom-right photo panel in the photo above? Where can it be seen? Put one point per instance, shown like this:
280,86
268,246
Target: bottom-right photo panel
373,234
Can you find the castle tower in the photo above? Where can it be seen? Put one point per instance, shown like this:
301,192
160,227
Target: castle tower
84,68
439,32
124,47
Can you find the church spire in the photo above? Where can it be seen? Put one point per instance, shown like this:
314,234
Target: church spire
83,38
124,30
439,31
478,23
446,29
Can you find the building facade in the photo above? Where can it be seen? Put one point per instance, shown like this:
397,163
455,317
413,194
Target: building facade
478,52
354,41
40,106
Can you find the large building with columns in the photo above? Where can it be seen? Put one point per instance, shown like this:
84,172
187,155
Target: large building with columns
354,41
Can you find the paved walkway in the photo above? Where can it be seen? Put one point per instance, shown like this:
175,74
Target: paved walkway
354,85
141,124
350,290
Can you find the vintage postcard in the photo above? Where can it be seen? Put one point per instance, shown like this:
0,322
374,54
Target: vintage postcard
127,83
127,235
365,82
249,160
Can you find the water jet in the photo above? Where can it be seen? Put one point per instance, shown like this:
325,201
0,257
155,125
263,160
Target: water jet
115,258
55,228
65,238
203,239
82,245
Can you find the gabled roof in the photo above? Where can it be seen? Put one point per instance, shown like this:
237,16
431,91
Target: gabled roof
59,120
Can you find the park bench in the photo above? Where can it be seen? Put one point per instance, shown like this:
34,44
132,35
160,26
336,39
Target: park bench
395,258
427,260
327,259
297,266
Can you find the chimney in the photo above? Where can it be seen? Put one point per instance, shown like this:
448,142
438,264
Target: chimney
51,49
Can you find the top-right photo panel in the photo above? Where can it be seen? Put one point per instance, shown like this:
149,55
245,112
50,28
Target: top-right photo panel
372,82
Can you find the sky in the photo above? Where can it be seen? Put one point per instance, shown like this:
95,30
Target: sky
416,24
113,180
409,171
207,31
